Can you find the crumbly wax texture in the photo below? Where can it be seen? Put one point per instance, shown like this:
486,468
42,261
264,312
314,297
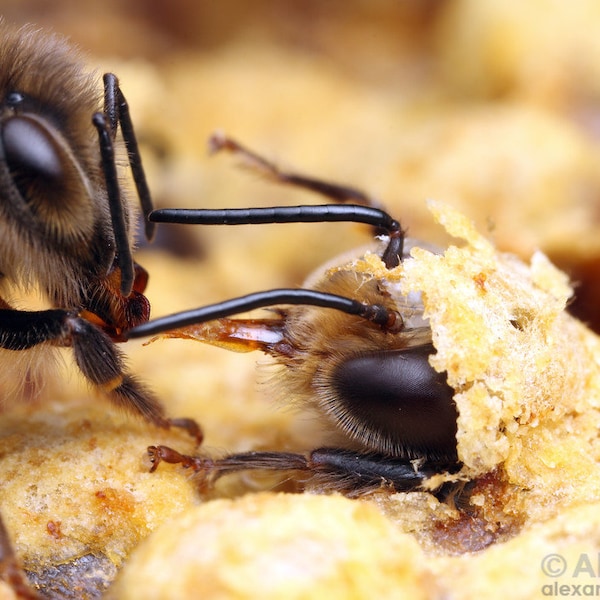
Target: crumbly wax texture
277,546
76,494
526,373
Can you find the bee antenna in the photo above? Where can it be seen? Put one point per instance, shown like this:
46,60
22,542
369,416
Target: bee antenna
116,110
375,313
267,169
355,213
123,247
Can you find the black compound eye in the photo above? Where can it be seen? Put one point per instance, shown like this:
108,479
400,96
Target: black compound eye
46,178
30,149
396,403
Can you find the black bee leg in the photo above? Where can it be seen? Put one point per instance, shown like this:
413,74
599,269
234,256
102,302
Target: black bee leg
11,571
95,353
103,365
342,470
20,330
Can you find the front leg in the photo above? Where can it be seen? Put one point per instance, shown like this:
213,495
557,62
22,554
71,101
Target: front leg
341,470
95,354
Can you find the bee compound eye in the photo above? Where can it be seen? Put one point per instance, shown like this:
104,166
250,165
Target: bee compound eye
48,180
395,402
30,149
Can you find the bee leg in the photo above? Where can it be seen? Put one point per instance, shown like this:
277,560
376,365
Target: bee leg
355,474
103,365
95,353
343,470
191,427
11,571
20,330
208,470
270,171
336,192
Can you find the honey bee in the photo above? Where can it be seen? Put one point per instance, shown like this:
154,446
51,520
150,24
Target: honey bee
350,345
66,227
65,224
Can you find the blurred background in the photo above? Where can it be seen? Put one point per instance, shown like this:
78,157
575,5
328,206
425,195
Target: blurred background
492,106
488,105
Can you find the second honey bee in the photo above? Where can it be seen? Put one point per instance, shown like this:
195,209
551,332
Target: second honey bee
66,230
350,345
65,223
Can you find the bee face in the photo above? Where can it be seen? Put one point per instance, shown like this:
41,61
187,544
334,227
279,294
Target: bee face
350,345
374,387
54,215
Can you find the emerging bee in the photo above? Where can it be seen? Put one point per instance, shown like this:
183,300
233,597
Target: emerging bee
351,346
